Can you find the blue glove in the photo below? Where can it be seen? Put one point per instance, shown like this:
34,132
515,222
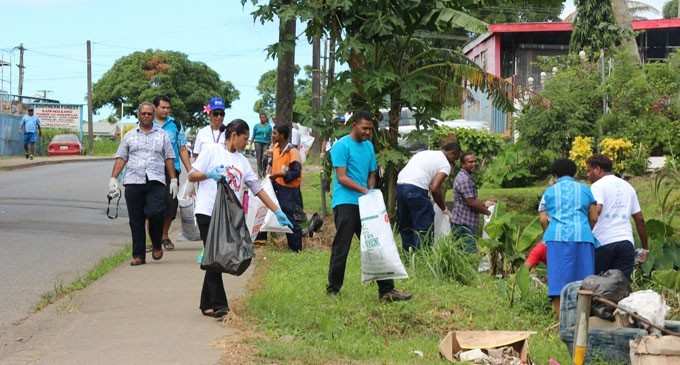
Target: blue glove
283,220
216,173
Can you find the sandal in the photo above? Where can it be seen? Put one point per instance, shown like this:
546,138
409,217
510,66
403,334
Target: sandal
219,313
157,254
167,244
137,261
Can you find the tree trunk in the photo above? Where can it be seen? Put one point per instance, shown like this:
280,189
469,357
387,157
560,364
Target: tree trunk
392,139
285,72
625,22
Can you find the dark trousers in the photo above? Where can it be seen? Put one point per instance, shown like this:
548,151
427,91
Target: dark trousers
347,225
616,255
145,202
213,295
466,234
171,204
289,201
415,216
260,149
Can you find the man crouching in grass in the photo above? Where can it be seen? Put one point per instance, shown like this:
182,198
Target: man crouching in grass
354,163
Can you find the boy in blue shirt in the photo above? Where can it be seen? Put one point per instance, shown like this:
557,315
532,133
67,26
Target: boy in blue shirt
354,167
30,125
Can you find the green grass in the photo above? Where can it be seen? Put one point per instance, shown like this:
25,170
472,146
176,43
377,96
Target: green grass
105,147
103,267
304,325
311,191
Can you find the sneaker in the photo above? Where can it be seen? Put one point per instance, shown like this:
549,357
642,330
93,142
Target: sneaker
395,295
30,157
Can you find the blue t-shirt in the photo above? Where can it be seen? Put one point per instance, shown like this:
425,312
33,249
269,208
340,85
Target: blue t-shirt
359,160
567,204
262,133
177,137
30,124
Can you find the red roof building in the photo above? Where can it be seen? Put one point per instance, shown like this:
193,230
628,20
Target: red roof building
509,51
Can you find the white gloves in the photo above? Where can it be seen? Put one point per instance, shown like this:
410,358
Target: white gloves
114,188
174,187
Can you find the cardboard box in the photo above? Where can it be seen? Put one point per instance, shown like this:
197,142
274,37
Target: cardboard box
456,341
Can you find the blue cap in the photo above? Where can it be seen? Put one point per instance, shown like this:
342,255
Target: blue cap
216,103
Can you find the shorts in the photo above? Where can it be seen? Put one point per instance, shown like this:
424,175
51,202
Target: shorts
616,255
170,203
568,262
30,137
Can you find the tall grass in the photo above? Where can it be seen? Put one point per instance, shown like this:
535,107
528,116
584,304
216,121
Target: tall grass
446,260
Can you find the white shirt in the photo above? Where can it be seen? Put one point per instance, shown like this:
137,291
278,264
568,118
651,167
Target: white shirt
619,202
295,137
422,168
207,136
239,175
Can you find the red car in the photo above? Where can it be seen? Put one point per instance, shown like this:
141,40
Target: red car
64,144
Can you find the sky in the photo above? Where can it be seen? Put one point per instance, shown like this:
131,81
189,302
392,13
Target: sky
220,33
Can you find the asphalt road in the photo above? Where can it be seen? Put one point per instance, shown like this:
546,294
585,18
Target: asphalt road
53,227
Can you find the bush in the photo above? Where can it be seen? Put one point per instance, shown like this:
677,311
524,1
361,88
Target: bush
447,260
484,144
618,150
517,166
581,150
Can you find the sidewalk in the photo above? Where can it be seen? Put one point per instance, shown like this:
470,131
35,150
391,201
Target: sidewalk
20,162
134,315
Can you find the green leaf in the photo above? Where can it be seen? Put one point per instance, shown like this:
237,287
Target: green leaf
669,279
657,229
523,281
456,18
529,235
489,243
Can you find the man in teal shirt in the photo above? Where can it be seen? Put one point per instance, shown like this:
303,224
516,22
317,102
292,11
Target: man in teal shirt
354,167
178,140
30,125
262,137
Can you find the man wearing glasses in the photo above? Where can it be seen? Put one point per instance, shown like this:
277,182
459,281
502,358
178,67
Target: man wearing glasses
213,133
148,154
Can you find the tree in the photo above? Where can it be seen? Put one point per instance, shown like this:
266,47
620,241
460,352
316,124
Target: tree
636,9
594,27
141,76
520,11
266,87
671,9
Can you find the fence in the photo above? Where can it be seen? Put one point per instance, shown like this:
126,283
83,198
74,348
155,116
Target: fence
11,137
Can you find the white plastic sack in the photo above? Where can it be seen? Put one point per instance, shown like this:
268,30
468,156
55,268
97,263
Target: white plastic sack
306,142
648,304
379,255
255,216
442,224
186,212
270,223
487,220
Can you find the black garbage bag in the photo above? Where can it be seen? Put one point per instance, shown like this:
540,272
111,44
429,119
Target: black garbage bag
612,285
228,247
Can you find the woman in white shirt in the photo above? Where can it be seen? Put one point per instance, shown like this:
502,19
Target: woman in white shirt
215,162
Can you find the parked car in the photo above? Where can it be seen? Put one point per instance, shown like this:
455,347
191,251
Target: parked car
64,144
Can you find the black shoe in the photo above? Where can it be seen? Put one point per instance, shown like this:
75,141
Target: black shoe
168,245
27,156
332,292
395,295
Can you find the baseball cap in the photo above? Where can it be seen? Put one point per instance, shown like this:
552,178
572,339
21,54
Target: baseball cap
216,103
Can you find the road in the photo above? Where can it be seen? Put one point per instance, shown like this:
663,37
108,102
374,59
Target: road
53,227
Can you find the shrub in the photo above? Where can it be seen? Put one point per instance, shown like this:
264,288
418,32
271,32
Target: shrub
447,260
618,150
581,150
484,144
517,166
638,162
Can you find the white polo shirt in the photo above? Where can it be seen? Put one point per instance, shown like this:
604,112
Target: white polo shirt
207,136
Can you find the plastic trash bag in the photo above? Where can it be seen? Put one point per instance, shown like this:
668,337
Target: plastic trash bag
648,304
186,212
379,255
255,216
271,224
442,225
612,285
228,247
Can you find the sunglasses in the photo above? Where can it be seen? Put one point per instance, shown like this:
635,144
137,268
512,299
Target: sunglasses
145,113
217,113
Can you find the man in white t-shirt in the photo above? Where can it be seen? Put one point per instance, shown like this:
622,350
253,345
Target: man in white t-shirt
424,173
616,202
214,132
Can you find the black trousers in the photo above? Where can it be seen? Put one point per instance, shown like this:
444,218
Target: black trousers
171,204
347,225
260,158
213,295
289,201
616,255
145,202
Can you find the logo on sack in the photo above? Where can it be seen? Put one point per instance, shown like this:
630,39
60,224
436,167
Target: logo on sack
370,240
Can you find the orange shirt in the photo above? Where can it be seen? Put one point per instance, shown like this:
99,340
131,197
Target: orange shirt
279,160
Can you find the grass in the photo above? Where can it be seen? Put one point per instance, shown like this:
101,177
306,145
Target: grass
311,191
304,325
105,147
103,267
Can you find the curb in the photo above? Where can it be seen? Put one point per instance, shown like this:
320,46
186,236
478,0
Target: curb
53,162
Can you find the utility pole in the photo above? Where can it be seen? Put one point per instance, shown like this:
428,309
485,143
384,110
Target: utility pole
90,131
21,71
44,92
